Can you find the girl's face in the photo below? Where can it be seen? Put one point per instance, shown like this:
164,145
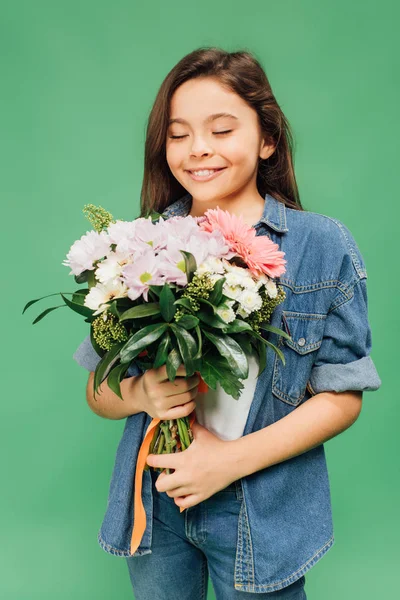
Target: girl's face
199,139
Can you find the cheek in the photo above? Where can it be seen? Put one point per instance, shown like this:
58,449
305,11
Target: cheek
174,156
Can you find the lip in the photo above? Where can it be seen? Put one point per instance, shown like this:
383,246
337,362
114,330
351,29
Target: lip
213,176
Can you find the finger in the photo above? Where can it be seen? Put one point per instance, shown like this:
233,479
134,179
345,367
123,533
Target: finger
186,501
169,484
163,461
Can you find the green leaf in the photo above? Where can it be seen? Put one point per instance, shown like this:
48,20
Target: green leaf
211,320
154,215
267,343
143,310
37,300
156,289
230,349
45,312
115,377
280,332
237,326
186,303
187,347
162,351
141,339
190,264
113,309
78,308
106,364
82,277
216,369
216,294
204,301
199,343
173,362
79,296
188,321
262,357
167,306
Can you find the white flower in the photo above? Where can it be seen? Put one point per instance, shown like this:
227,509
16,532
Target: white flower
90,247
102,293
214,264
261,280
234,278
232,291
226,313
250,301
271,288
110,269
248,283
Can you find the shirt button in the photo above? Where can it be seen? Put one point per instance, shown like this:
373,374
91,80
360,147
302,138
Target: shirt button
301,341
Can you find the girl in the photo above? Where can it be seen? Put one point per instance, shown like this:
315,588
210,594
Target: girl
254,481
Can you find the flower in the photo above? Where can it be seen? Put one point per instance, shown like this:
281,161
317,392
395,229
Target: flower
249,301
84,252
260,253
142,273
226,312
110,269
101,293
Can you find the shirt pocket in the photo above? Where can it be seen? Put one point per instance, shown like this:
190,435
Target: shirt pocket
290,381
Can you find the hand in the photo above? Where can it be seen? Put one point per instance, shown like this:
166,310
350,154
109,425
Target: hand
164,399
199,471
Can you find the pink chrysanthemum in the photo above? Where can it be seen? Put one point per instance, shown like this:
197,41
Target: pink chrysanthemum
260,253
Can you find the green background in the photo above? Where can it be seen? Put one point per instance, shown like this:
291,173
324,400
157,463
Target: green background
78,81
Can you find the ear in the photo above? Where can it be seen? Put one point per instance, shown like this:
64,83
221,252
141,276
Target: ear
266,150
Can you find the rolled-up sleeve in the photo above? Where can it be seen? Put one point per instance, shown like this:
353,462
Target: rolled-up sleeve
343,361
86,356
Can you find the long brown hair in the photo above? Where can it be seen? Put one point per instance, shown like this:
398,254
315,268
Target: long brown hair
242,73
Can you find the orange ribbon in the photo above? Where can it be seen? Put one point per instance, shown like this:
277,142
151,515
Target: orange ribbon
139,514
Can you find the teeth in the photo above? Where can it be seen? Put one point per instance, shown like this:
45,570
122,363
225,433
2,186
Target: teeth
204,173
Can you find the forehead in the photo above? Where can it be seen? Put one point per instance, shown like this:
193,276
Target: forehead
196,100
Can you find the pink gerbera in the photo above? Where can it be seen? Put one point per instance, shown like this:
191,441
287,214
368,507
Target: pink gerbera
260,253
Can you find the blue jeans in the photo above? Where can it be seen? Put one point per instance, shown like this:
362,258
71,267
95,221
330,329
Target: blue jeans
188,547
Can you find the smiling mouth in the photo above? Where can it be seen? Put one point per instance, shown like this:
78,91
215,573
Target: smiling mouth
212,174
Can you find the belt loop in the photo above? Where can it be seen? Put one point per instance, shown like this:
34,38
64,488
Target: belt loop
239,489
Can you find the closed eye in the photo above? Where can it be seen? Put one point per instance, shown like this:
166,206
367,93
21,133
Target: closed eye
179,137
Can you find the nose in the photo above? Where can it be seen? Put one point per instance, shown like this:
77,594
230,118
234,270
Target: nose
200,147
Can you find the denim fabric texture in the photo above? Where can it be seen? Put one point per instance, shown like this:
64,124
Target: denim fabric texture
201,541
284,525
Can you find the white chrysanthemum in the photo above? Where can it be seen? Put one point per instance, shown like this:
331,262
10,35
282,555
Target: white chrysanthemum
232,291
250,300
242,313
248,283
92,246
226,313
235,269
215,264
101,293
261,280
234,278
110,269
202,268
271,288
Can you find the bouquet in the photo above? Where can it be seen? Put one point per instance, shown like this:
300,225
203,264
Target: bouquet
191,290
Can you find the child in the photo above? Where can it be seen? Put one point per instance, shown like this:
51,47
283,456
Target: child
255,487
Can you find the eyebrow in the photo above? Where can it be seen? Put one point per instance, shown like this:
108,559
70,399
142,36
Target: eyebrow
208,120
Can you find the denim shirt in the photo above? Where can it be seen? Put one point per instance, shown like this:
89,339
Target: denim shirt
285,523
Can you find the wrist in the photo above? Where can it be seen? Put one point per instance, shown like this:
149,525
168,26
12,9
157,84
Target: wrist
235,461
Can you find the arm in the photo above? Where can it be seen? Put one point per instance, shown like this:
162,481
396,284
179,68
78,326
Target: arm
322,417
108,405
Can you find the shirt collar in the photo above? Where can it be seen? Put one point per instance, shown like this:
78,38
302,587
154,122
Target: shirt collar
274,214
